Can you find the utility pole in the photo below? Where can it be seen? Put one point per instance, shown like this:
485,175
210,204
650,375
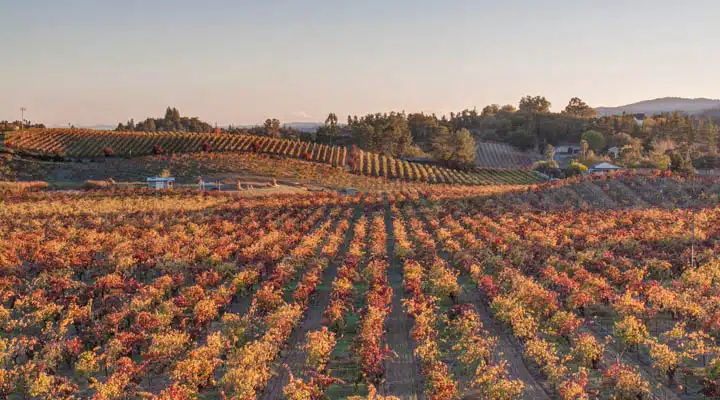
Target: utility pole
22,118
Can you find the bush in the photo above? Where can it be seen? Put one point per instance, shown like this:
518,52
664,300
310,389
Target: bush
595,140
575,168
108,152
655,161
679,163
6,172
23,186
157,149
96,185
206,147
544,165
549,168
591,159
522,139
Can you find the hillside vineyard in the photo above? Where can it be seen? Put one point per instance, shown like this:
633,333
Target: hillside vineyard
434,294
78,143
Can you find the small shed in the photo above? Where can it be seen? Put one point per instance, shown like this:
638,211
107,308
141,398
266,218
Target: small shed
603,168
614,151
160,183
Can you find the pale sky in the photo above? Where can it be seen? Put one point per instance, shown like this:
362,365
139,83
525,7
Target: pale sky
105,61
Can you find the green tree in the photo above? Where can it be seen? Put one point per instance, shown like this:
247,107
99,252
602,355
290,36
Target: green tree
575,168
680,163
465,147
172,121
454,148
508,109
522,139
395,137
272,127
595,140
331,120
535,105
492,109
422,126
441,144
330,128
384,133
549,152
621,139
708,132
578,108
363,134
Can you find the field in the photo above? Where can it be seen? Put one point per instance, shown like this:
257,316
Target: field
501,155
228,167
88,144
572,290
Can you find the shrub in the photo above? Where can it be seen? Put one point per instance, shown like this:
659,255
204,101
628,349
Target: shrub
626,383
23,186
549,168
108,152
206,147
158,150
318,346
631,331
595,140
94,185
575,168
544,165
87,364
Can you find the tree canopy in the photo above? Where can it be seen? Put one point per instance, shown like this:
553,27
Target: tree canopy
578,108
171,122
595,140
454,148
535,104
529,126
384,133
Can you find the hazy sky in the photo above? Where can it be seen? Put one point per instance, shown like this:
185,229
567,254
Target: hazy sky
105,61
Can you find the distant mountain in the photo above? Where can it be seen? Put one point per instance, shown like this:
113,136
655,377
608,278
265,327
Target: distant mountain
94,127
665,104
303,126
101,127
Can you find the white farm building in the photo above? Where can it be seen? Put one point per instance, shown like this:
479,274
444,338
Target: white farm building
603,168
160,183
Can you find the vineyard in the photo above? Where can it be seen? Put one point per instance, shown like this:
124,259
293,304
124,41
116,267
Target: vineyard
438,293
501,155
78,143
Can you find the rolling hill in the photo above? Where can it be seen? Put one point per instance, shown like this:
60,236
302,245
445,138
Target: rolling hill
661,105
502,155
90,144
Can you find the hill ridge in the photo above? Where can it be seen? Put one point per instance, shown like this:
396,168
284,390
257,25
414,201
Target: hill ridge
663,104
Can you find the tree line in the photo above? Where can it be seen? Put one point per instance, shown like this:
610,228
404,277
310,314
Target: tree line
172,122
664,141
659,141
7,126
